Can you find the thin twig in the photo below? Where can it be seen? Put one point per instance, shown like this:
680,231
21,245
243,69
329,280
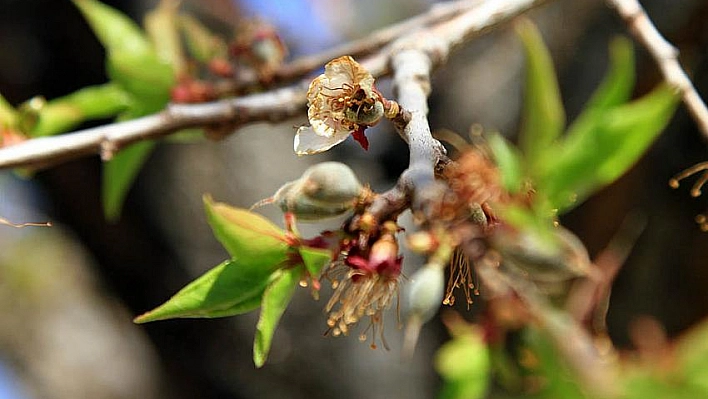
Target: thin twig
666,57
412,58
369,44
106,140
275,105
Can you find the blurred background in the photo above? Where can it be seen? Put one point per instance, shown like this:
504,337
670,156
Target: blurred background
68,293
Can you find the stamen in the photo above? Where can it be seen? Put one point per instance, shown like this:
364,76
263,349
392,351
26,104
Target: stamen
696,190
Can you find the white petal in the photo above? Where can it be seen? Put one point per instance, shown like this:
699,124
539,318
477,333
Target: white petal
307,142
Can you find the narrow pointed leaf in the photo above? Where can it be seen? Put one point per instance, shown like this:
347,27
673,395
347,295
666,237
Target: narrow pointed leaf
133,66
543,113
606,149
245,234
615,89
65,113
275,299
315,259
231,288
8,115
144,76
202,44
508,160
115,30
161,25
132,61
119,174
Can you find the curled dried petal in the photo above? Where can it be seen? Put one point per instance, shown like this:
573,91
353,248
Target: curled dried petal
341,101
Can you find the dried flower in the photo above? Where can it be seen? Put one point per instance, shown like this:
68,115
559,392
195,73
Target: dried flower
258,44
474,179
367,287
342,101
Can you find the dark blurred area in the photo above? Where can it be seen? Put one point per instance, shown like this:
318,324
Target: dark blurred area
59,348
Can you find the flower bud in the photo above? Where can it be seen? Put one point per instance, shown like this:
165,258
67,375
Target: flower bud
331,182
325,190
563,258
425,293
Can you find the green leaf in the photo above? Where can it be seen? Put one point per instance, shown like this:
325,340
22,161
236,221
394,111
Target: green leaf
246,234
315,259
508,160
605,149
275,299
161,25
114,30
692,358
147,79
8,115
132,61
65,113
233,287
135,68
186,136
558,380
119,174
202,44
543,114
464,365
615,89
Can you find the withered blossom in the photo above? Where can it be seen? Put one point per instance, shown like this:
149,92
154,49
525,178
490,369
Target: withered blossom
366,286
341,101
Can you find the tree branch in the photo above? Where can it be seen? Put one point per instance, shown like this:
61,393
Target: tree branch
435,41
305,65
666,57
106,140
411,80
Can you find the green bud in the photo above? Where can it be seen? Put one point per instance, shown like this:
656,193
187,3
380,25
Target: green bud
560,260
331,182
425,292
365,113
325,190
29,112
425,295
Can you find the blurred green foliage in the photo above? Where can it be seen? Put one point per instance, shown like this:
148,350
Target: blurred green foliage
142,66
564,166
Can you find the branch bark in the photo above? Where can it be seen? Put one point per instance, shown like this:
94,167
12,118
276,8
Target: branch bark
666,57
367,45
436,41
